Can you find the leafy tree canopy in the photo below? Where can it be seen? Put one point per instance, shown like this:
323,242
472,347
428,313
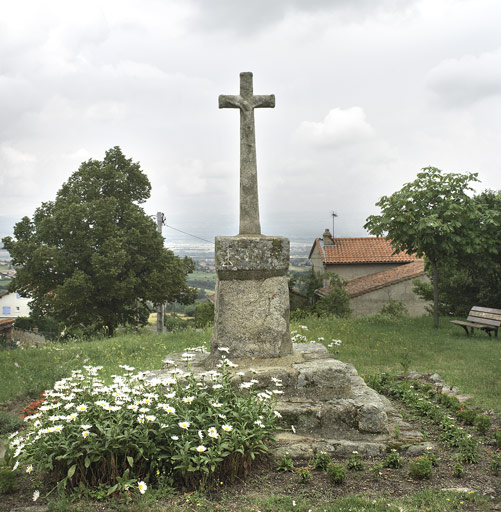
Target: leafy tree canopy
92,256
432,216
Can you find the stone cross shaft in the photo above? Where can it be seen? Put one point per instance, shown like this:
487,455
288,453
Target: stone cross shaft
247,102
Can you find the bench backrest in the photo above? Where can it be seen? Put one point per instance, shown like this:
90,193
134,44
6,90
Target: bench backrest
486,316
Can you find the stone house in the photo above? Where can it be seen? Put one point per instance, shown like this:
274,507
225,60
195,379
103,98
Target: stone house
13,305
374,274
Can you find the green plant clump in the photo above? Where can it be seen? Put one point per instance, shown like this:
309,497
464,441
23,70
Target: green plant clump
458,470
337,472
305,475
393,460
321,460
285,463
355,462
88,433
9,422
497,438
7,481
483,423
495,464
467,416
420,468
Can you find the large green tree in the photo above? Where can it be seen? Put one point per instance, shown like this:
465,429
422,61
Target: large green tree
473,278
92,256
433,216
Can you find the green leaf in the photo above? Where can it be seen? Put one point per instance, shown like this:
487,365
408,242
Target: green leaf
130,460
111,490
71,471
87,462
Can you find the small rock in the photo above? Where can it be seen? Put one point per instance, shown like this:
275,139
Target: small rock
413,375
419,449
457,489
463,398
435,377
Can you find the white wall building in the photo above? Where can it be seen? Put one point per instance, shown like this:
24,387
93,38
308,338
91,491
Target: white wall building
13,305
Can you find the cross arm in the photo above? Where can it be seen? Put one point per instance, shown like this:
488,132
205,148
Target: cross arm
263,101
227,101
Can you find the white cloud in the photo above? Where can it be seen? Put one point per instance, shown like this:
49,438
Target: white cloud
339,127
468,79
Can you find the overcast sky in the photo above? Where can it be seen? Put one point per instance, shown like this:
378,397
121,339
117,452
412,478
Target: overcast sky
367,93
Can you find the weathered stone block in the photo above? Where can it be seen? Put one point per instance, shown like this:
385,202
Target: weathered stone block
252,297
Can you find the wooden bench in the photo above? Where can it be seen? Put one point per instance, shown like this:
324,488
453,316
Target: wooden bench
486,319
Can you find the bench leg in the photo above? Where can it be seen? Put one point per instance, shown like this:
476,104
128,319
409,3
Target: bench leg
466,329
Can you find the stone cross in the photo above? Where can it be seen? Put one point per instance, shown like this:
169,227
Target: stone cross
247,102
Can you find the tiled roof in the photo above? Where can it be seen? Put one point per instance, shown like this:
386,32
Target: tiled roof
371,282
360,250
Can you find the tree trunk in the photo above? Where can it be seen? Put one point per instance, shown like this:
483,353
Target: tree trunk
435,292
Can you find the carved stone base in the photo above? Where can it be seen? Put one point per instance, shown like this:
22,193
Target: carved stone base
252,297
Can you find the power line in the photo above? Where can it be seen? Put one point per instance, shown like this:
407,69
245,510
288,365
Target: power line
189,234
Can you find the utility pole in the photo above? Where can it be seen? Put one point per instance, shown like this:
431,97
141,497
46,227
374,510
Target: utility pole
160,307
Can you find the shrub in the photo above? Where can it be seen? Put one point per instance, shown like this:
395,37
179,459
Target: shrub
321,460
305,475
393,460
467,416
394,309
136,429
175,323
355,463
497,438
9,422
458,470
7,481
483,423
204,314
495,464
421,468
337,472
432,457
285,463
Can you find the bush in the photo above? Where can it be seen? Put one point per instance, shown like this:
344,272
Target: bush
393,460
394,309
9,422
135,430
285,463
483,423
458,470
497,438
336,302
467,416
337,472
355,463
421,468
320,461
7,481
176,323
204,314
305,475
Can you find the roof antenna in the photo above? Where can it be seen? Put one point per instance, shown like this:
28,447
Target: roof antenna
334,215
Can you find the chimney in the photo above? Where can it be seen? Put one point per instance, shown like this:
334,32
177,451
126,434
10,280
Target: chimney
327,237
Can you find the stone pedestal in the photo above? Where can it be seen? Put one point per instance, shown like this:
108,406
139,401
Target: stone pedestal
252,297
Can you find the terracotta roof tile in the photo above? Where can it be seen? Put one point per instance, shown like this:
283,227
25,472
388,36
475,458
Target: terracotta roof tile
360,250
371,282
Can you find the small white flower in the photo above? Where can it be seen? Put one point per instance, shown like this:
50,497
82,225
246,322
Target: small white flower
293,428
81,407
29,469
217,386
151,417
142,487
15,465
174,438
184,424
277,414
227,428
36,495
188,399
224,349
85,433
201,448
200,434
